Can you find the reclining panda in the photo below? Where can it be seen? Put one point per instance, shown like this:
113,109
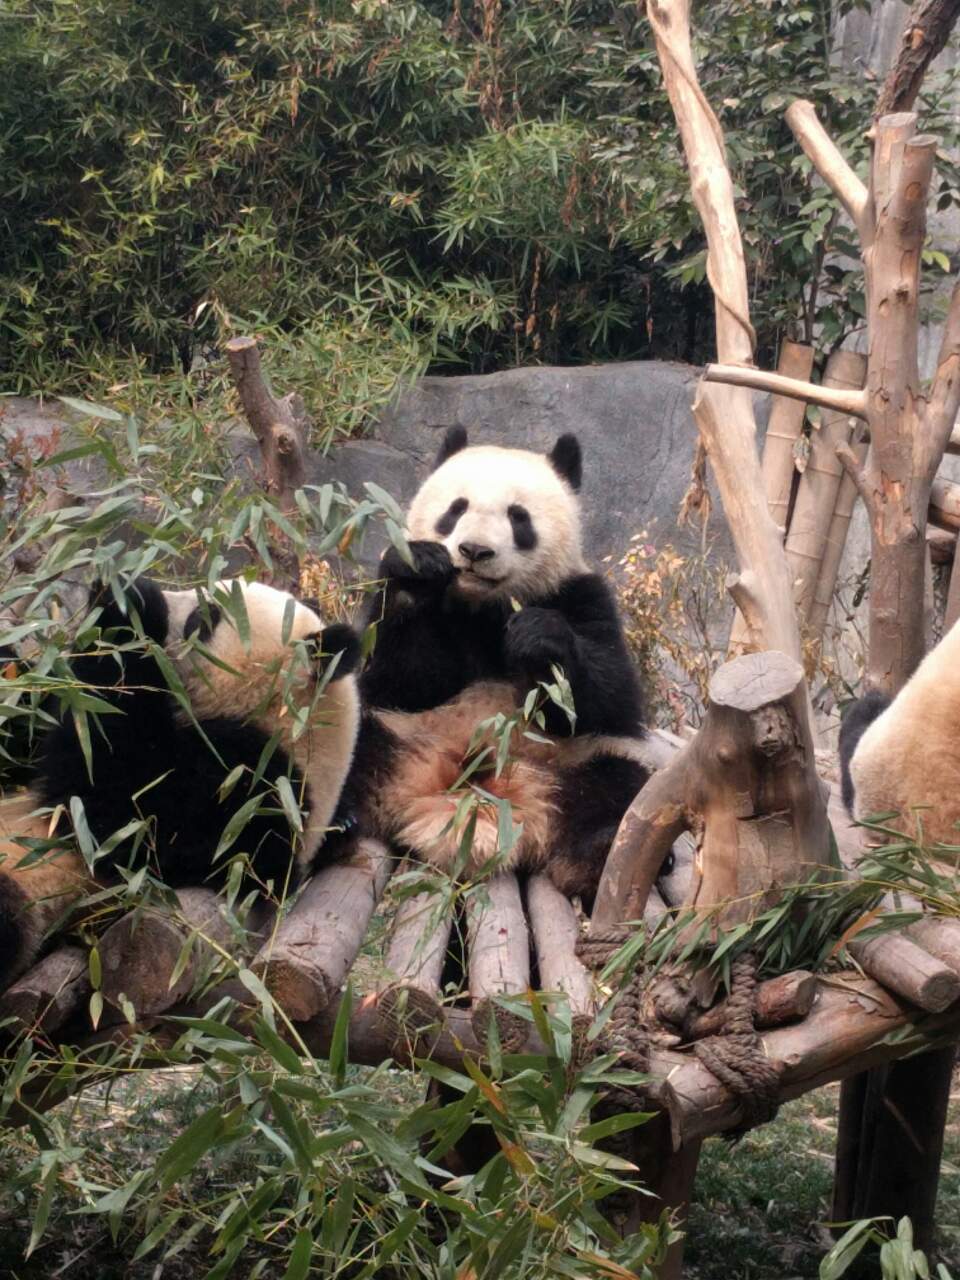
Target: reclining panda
269,715
900,754
497,597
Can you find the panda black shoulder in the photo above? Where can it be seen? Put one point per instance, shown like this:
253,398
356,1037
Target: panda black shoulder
586,597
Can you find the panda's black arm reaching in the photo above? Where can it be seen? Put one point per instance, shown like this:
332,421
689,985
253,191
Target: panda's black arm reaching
577,628
426,650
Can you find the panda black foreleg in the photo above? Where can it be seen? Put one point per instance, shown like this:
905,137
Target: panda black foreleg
338,641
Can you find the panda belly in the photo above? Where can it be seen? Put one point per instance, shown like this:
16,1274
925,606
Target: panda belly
566,797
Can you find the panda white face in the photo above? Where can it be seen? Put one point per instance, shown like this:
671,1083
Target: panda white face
508,517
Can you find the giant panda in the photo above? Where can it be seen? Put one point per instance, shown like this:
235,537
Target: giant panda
901,754
272,713
497,596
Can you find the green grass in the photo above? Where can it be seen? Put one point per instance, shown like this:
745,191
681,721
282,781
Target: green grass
759,1211
760,1206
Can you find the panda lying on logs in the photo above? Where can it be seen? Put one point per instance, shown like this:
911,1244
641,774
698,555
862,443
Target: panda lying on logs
497,596
899,754
270,717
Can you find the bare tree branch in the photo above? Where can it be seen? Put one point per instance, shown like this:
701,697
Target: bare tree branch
925,34
844,401
826,158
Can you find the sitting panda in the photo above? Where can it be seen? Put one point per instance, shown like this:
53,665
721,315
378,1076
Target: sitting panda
497,597
272,715
900,754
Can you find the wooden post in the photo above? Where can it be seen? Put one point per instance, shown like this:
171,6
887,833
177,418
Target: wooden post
836,542
785,425
820,483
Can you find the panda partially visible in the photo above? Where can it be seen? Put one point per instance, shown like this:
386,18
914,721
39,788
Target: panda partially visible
264,708
497,596
901,754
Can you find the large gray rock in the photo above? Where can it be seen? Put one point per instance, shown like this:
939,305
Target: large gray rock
633,420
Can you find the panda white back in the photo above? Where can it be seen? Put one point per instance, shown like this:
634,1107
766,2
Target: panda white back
271,678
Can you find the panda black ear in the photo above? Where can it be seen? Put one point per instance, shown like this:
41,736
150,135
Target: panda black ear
454,439
143,597
566,458
202,621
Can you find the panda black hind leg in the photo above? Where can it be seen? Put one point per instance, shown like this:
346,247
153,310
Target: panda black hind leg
592,799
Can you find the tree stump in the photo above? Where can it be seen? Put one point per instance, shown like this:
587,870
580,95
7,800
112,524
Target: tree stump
746,787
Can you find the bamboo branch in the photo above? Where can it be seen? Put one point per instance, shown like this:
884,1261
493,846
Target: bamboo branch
827,160
850,402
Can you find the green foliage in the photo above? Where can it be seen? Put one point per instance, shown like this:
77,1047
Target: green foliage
808,925
899,1260
394,186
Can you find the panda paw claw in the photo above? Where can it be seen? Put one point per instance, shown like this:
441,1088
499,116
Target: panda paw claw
537,638
431,563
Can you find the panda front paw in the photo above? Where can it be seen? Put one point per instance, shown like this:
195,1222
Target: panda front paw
338,639
536,639
431,564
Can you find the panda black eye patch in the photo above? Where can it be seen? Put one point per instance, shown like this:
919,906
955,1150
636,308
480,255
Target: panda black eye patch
524,534
447,522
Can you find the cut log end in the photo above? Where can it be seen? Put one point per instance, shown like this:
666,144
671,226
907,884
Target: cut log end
302,994
755,680
512,1029
407,1013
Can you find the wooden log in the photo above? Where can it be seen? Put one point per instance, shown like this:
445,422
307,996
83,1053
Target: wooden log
835,543
942,545
50,993
940,937
945,504
820,483
408,999
555,929
140,952
305,963
780,1000
854,1025
498,957
906,968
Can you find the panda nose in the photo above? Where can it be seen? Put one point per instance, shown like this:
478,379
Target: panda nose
475,552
